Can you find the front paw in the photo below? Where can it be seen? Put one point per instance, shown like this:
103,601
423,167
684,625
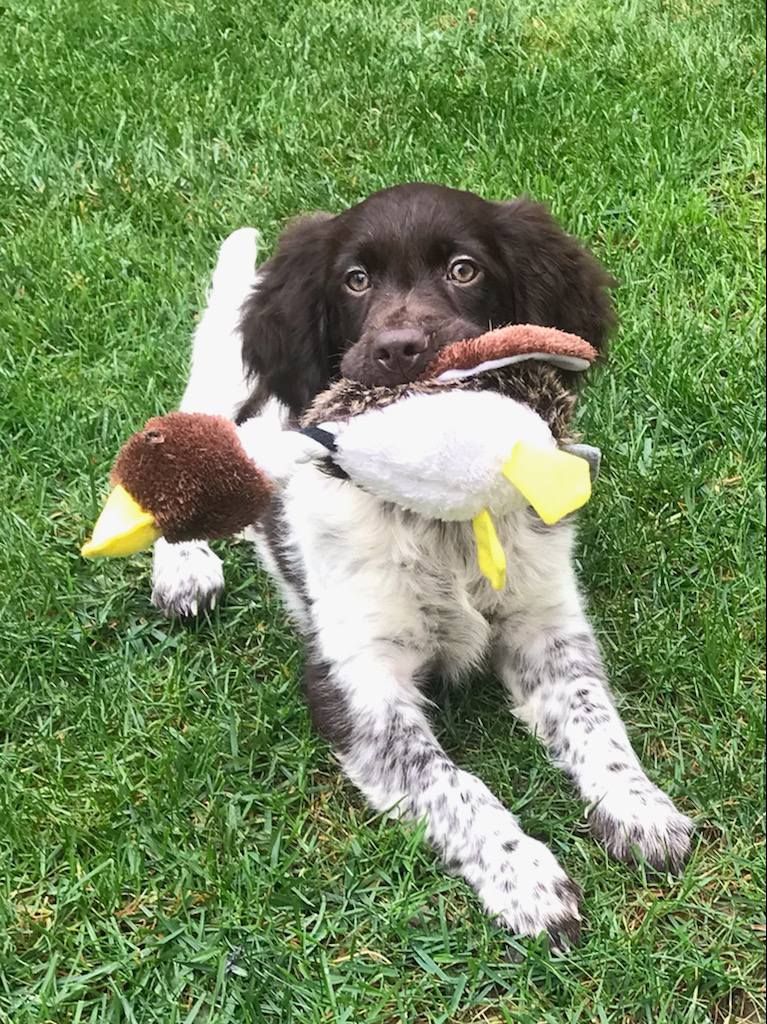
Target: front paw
641,824
525,890
187,579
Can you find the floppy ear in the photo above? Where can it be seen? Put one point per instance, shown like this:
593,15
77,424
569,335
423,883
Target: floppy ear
284,320
555,280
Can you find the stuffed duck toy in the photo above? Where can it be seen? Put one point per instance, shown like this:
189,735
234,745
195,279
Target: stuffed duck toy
483,431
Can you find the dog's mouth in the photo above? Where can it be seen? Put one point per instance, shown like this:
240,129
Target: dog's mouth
373,377
363,364
360,365
533,365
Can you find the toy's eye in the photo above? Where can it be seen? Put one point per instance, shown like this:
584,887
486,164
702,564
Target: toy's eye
357,280
154,436
462,270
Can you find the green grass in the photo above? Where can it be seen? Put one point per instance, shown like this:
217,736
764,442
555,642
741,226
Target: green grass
175,843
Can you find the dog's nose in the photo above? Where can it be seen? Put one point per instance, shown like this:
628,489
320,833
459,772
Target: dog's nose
401,352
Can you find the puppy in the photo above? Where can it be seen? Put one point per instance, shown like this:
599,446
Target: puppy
383,598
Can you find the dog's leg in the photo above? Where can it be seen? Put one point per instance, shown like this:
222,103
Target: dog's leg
549,660
188,578
372,715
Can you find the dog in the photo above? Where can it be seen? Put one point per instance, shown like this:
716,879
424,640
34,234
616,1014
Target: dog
383,598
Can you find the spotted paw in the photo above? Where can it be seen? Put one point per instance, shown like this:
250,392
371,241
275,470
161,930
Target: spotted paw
187,579
526,891
641,824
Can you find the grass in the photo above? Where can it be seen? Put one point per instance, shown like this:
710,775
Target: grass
176,844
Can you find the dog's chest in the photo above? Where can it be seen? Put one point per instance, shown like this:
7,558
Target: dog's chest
374,574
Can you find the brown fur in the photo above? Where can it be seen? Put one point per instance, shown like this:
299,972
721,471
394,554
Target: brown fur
191,472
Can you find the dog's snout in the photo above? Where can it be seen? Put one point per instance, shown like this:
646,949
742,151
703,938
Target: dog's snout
401,352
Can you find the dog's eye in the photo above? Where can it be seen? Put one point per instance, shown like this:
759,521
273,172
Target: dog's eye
357,280
462,270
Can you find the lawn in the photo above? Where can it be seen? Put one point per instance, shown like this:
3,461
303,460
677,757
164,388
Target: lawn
176,845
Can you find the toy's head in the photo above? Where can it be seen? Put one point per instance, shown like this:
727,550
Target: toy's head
183,477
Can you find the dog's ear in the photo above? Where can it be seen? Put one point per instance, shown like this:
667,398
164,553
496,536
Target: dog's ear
284,319
556,282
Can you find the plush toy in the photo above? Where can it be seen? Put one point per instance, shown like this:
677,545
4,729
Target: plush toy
451,445
185,476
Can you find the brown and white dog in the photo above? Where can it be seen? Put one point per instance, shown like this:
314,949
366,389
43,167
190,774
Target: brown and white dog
383,598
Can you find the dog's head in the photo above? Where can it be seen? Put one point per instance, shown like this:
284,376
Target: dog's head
374,292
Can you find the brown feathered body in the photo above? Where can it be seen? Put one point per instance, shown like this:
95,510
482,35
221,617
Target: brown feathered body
543,377
547,389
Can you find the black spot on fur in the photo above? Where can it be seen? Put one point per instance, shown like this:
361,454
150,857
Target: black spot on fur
331,468
274,530
328,705
565,931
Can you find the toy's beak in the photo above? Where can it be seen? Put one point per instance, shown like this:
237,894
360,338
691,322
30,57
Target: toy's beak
555,483
123,528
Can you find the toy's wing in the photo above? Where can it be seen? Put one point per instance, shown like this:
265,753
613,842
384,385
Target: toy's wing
491,557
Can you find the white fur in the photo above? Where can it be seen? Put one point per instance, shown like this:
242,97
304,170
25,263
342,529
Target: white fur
384,597
187,578
217,381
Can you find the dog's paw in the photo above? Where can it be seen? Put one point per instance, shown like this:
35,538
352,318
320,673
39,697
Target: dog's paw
526,891
641,824
187,579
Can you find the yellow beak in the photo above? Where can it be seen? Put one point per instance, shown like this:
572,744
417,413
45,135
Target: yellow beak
123,528
554,482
